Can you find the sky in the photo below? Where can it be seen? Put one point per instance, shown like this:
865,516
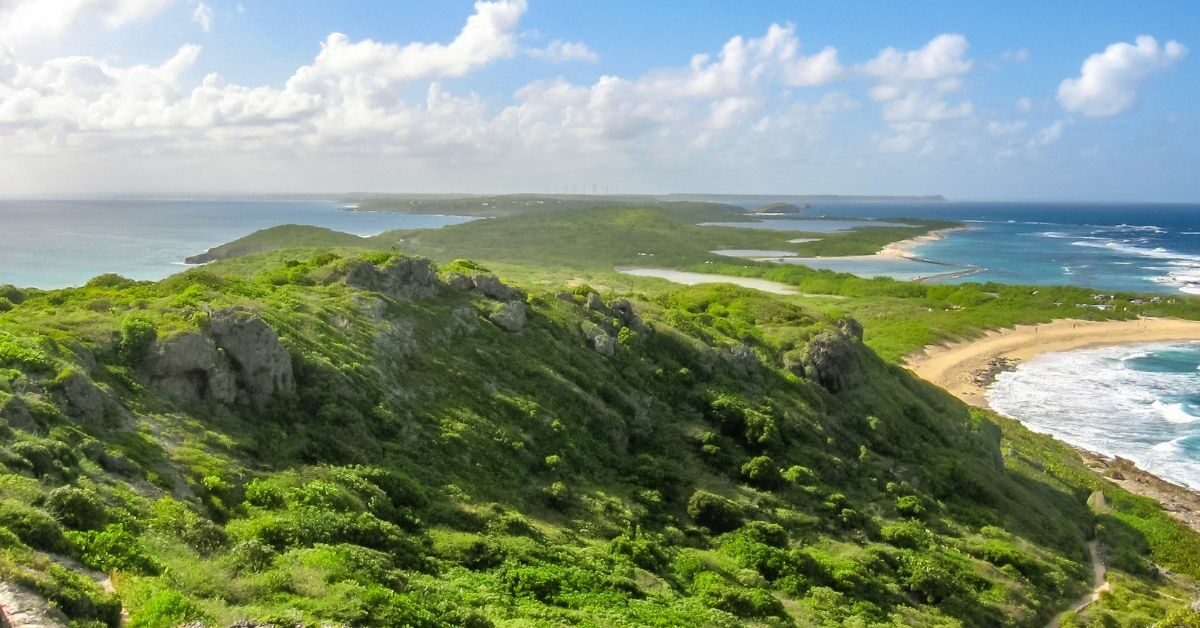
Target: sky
1065,100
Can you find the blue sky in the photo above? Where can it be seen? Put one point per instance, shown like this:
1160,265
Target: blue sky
1016,100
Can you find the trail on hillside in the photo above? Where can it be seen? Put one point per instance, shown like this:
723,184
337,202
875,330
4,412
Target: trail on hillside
1099,585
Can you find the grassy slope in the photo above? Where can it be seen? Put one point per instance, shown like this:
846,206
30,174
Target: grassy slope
523,479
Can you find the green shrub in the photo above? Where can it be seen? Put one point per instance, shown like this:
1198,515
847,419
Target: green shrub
47,457
137,335
644,551
113,548
167,607
797,475
32,526
762,472
906,534
714,512
77,508
910,506
739,601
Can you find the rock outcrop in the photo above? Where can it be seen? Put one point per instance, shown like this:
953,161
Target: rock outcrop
832,358
17,413
82,399
399,278
237,358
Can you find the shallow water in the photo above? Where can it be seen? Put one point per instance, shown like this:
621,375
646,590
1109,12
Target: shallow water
54,244
815,225
691,279
1140,402
752,253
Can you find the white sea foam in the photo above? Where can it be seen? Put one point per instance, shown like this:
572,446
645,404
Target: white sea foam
1174,412
1099,400
1182,269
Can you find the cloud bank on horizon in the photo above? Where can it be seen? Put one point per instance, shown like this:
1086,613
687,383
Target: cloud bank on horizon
761,113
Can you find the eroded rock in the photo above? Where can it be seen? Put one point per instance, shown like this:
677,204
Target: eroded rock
262,364
237,358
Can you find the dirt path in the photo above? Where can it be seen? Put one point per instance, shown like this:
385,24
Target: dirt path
1099,585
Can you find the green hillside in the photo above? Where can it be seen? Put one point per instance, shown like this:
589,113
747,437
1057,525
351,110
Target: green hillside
358,438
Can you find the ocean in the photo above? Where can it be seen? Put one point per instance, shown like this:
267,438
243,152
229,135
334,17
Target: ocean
1140,402
56,244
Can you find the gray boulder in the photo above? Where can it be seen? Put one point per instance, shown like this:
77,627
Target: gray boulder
594,302
623,310
599,339
510,316
491,287
189,368
81,398
19,416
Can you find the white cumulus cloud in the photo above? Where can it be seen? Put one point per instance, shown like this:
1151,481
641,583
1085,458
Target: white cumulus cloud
203,15
563,51
1109,81
23,21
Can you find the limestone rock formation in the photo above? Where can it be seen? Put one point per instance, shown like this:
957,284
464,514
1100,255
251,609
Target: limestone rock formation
832,360
237,358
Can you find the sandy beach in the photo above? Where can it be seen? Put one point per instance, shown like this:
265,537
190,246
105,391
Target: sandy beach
902,249
965,369
899,251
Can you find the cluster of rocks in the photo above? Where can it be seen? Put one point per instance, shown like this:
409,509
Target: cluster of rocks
601,337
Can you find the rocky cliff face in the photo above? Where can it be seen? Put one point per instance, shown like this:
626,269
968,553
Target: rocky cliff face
236,359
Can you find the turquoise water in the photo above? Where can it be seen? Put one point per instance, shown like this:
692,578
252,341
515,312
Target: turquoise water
54,244
1137,402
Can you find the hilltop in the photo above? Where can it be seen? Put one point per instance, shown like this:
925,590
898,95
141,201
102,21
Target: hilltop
363,437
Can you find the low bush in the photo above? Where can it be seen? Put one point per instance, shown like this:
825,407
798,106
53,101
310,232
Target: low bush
714,512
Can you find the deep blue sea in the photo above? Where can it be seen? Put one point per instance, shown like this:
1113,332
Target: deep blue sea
55,244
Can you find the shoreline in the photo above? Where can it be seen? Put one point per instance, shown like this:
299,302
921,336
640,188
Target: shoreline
898,251
967,368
